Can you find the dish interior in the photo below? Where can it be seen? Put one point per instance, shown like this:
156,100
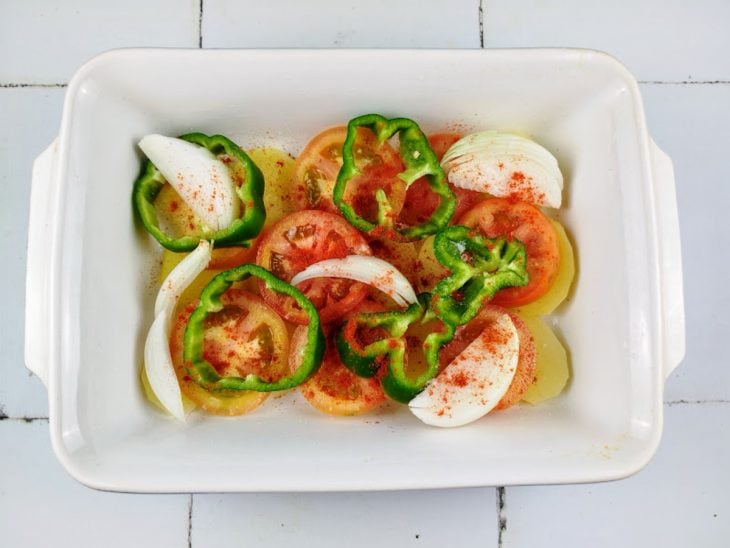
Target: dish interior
583,106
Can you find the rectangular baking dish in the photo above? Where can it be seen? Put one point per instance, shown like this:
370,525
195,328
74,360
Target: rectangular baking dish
90,279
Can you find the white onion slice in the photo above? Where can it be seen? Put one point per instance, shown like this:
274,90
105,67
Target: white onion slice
203,182
157,359
505,164
475,381
181,277
362,268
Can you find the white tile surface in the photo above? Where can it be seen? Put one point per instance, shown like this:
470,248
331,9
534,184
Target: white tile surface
681,499
48,41
463,518
692,124
657,39
343,23
40,505
31,119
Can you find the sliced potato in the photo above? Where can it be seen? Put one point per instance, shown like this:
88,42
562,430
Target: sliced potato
278,169
552,371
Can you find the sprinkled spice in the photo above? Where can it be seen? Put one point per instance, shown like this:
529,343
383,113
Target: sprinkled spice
521,188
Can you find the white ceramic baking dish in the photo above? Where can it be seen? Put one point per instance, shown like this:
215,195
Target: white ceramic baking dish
90,284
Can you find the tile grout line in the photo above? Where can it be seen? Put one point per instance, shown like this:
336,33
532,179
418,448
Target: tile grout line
61,85
481,23
685,82
501,518
672,403
4,417
200,24
190,521
14,85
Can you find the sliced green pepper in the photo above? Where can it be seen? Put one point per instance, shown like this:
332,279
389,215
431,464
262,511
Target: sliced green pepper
250,191
479,267
419,160
390,350
202,372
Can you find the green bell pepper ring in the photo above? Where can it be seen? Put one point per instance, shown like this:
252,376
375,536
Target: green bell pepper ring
389,352
399,386
202,372
479,267
250,191
419,160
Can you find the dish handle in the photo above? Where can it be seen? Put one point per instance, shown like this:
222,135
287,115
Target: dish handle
37,278
670,256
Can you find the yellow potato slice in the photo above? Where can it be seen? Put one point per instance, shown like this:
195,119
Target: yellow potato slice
278,169
174,216
552,370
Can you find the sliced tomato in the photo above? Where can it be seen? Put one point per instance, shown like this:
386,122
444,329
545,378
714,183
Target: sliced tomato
319,163
465,200
304,238
245,337
526,362
441,142
495,217
334,389
420,200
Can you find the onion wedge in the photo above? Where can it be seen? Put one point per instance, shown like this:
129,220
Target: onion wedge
505,165
157,359
203,181
475,381
370,270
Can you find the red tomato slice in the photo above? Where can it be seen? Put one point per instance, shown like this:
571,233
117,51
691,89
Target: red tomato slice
245,337
465,200
526,362
496,217
304,238
441,142
421,202
334,389
319,163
